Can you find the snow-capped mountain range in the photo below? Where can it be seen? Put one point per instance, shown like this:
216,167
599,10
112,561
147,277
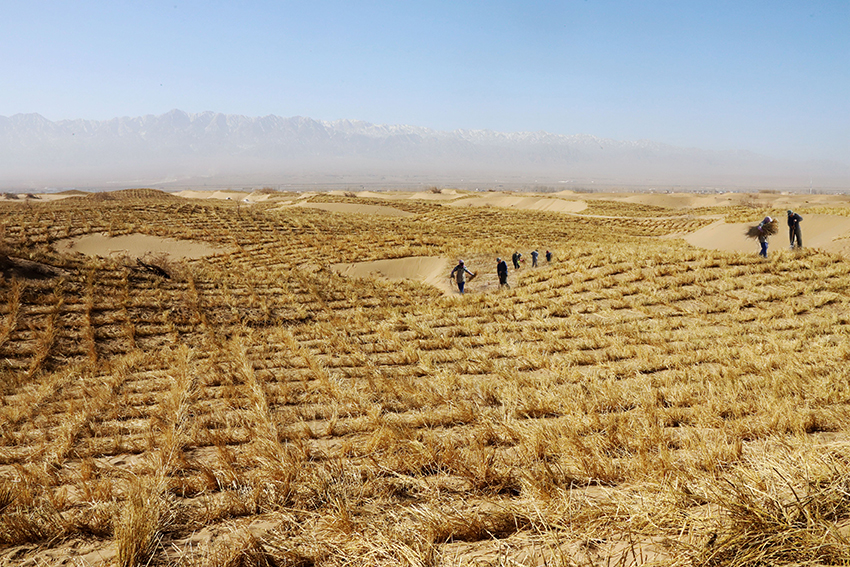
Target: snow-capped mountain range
181,148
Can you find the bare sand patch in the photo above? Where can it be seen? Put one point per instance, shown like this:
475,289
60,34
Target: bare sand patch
49,197
830,233
526,203
220,195
426,269
43,197
354,208
243,196
138,246
260,197
678,200
674,200
443,195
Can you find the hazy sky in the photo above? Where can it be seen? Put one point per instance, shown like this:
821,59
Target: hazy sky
768,76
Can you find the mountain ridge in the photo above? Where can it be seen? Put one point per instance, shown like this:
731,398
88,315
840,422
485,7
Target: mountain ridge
181,146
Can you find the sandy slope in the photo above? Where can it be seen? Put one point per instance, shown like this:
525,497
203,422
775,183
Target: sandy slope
444,195
137,246
826,232
532,203
426,269
222,195
679,201
255,197
44,197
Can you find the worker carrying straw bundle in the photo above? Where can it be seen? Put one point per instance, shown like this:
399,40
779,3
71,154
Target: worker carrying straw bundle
767,227
459,273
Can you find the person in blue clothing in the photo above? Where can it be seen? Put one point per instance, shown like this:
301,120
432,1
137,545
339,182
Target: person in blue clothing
764,231
794,232
534,255
459,273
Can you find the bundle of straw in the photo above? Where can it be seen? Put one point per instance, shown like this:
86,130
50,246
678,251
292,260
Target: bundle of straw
768,229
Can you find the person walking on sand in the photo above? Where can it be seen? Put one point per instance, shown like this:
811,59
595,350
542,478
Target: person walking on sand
502,272
516,258
794,232
459,273
534,256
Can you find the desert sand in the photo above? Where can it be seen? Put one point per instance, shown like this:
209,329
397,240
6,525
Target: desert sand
529,203
46,197
426,269
443,195
244,196
137,246
826,232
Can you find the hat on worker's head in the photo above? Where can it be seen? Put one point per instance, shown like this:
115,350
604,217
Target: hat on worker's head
460,261
498,259
790,212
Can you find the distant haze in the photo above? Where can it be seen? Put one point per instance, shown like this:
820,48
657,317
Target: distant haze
177,149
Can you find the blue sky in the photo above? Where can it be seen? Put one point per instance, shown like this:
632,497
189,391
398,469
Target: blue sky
771,77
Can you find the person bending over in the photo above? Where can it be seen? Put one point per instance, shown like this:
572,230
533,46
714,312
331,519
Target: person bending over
794,232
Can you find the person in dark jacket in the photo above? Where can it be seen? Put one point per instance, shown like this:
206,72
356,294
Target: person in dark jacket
516,258
794,232
502,271
548,256
534,255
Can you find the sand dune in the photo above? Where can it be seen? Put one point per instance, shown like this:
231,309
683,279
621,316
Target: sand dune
443,195
678,200
427,269
532,203
374,195
222,195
